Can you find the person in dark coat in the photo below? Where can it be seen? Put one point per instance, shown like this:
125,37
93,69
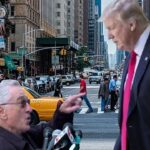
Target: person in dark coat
57,92
129,28
15,130
103,94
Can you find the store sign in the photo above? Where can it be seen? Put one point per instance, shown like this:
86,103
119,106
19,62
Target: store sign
2,62
55,60
2,42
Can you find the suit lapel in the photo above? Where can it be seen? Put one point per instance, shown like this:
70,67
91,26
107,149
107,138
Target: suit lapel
144,61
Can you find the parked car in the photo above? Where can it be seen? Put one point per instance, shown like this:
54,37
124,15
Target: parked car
67,79
43,107
31,83
47,81
94,78
41,86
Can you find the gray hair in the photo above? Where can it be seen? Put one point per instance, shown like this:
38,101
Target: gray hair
5,87
124,10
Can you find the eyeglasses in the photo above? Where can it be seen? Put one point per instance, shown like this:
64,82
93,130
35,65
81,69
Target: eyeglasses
22,101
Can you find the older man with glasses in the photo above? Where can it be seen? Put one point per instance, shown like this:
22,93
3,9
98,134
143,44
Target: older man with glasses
15,130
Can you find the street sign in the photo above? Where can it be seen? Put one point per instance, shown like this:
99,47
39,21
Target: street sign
2,43
22,51
55,60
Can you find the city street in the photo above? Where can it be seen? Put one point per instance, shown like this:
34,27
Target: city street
99,130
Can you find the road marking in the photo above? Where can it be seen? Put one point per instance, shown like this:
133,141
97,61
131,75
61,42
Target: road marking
83,111
99,111
117,111
77,87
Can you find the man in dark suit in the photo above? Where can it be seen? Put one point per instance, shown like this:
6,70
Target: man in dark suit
129,28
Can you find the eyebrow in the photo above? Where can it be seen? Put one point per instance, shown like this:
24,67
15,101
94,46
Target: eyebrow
21,97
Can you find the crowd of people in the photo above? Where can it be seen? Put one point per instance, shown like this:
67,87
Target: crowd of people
108,94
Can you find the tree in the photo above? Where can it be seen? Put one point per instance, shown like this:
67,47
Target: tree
82,59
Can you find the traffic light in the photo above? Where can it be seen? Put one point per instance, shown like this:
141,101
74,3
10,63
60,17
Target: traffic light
63,51
85,59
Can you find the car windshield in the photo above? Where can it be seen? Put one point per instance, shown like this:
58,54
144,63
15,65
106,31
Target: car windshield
69,77
33,93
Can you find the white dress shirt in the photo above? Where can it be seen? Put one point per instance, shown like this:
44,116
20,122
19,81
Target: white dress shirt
139,47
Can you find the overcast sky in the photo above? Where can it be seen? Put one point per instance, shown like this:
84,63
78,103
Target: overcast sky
111,45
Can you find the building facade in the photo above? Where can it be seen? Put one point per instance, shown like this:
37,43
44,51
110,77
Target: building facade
78,32
70,19
85,22
91,27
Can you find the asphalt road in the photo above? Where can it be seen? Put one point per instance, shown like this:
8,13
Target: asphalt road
99,130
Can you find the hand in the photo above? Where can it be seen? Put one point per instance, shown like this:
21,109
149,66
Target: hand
71,104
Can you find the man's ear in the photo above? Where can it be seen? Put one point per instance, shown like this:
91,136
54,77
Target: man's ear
3,115
132,24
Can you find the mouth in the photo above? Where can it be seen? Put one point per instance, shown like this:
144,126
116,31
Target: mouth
28,120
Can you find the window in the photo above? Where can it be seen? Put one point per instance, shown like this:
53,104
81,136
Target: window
13,28
58,5
58,31
12,13
13,44
58,23
57,14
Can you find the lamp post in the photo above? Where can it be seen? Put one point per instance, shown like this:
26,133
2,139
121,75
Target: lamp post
23,43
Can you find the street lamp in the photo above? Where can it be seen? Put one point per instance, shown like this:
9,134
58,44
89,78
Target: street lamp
23,43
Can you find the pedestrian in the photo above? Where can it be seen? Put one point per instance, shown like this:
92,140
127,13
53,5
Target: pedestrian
103,94
84,90
15,131
1,77
113,92
30,84
129,28
20,80
58,87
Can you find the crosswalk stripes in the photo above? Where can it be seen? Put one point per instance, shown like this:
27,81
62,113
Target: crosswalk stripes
97,110
83,110
96,105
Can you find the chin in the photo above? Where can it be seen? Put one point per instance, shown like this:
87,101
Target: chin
27,128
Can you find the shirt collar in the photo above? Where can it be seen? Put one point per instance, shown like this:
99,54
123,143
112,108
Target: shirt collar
139,47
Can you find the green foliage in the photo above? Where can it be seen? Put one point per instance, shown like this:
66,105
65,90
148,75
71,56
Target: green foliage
82,59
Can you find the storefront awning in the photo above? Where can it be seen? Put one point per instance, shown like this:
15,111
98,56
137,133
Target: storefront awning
9,63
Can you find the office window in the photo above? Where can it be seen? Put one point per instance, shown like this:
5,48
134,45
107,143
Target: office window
13,44
12,13
58,23
58,5
58,31
13,28
57,14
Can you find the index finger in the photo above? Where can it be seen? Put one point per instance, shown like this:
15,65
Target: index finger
74,97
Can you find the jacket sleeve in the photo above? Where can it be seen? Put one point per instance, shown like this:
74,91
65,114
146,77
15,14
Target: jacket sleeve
6,145
59,119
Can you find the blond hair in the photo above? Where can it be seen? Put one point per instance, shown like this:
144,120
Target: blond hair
124,10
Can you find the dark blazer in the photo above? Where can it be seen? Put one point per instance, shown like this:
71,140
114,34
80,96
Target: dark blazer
138,122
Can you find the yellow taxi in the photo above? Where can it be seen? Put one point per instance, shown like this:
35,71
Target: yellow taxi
43,107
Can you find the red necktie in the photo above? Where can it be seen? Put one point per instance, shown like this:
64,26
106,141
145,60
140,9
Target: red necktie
126,100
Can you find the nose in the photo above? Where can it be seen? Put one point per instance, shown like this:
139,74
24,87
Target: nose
28,107
110,35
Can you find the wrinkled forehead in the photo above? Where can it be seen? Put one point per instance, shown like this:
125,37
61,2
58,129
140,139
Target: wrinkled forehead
16,92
